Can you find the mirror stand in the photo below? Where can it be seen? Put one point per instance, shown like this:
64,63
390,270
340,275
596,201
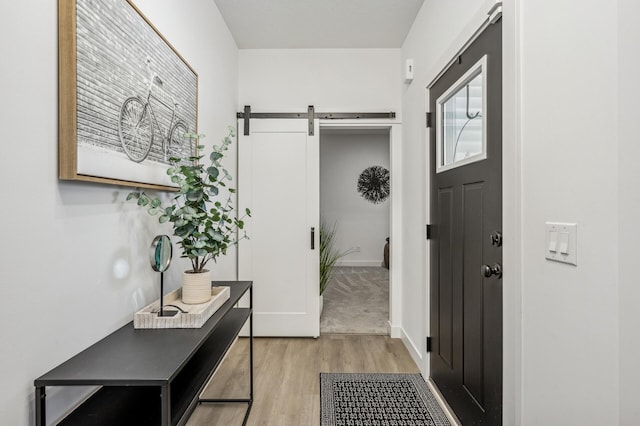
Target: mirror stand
162,312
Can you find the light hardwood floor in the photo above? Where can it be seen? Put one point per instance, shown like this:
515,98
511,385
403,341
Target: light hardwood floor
286,376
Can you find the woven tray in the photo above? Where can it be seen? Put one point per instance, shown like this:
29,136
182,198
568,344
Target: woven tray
195,316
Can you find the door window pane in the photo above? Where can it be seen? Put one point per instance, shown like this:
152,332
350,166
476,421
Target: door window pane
461,120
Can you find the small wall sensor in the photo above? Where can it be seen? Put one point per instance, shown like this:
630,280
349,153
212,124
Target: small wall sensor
408,71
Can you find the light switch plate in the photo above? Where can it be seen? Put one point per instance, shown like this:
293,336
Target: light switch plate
558,231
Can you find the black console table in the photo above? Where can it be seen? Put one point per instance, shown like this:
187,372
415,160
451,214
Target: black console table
152,376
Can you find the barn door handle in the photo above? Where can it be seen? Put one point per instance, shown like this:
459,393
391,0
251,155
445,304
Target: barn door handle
313,238
487,270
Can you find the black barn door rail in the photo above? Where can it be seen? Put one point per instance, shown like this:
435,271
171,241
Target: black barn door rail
310,115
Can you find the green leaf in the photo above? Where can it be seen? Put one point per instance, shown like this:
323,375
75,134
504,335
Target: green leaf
132,195
185,231
198,252
194,195
213,172
164,218
215,156
248,212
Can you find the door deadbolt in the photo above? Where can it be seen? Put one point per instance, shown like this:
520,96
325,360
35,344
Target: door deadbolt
496,239
488,271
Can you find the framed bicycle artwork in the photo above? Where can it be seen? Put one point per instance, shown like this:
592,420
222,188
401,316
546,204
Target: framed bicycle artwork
127,98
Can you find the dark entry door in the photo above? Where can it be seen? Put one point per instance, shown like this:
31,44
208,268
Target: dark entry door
466,247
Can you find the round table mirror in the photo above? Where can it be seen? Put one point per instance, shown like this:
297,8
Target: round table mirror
161,252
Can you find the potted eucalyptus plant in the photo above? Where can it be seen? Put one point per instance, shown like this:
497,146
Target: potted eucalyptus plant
205,226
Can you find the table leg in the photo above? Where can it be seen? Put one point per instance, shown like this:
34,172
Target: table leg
165,402
251,343
41,406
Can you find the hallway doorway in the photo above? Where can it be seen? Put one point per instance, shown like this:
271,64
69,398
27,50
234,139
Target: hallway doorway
355,206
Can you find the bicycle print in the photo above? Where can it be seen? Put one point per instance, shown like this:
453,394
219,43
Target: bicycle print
138,122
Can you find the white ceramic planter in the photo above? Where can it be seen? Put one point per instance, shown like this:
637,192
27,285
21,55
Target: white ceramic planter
321,304
196,288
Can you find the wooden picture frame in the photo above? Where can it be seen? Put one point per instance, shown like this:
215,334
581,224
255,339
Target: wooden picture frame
126,96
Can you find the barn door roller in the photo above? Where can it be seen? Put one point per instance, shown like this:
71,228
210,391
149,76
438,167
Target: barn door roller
310,115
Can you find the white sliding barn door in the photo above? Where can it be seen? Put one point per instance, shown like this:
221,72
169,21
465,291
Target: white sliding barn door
279,182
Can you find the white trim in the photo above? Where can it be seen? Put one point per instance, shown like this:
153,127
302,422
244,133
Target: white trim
512,202
415,353
395,332
477,68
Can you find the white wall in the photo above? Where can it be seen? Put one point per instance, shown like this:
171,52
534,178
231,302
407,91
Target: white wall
63,240
629,209
335,80
434,32
343,156
569,174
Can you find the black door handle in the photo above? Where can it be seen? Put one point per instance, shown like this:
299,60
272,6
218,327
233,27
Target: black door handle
487,271
313,238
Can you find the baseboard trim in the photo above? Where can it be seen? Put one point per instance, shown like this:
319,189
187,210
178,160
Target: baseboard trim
394,332
356,263
413,350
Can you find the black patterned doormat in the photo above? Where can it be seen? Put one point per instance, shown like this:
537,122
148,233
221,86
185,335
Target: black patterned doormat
378,400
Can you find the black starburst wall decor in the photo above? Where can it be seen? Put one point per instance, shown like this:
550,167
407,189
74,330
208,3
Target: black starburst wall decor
373,184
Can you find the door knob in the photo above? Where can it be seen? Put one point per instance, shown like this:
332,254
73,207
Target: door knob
487,270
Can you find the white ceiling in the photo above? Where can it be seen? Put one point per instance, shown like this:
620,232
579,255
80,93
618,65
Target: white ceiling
291,24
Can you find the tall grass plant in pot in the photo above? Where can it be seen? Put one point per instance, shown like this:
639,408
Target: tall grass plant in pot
205,225
329,255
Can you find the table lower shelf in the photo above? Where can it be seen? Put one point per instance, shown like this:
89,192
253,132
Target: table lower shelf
141,405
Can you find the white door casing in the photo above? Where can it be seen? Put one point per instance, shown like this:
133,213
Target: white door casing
395,229
278,180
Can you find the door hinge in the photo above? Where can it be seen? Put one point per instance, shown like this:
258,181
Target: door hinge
428,231
429,120
428,343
